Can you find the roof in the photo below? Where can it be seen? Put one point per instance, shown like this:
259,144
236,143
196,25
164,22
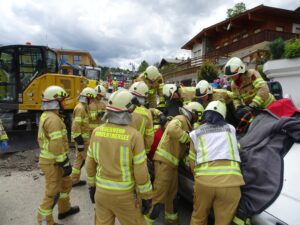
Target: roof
165,61
247,15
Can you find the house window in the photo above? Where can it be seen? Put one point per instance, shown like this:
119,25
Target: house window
235,40
296,28
225,43
245,35
76,59
217,47
257,31
279,28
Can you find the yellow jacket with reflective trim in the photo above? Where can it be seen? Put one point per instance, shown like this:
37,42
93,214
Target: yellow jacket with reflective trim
251,88
222,95
95,108
116,160
187,94
172,146
142,121
52,138
3,135
80,122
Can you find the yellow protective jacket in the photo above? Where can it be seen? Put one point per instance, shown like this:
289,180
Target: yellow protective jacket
172,145
251,88
95,109
187,94
80,123
142,121
3,135
155,88
116,160
52,138
222,95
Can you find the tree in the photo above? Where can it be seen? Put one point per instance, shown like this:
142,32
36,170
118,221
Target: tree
143,66
276,48
208,72
237,9
292,49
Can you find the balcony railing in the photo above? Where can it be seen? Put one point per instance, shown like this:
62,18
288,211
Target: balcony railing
267,35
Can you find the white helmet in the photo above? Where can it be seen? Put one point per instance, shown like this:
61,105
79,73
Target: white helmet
203,88
234,67
218,107
100,90
88,92
121,101
152,73
196,110
139,89
169,90
54,93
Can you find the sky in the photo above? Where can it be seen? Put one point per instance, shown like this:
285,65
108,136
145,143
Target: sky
117,33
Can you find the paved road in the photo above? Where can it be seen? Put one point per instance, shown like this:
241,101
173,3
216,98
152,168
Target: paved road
21,193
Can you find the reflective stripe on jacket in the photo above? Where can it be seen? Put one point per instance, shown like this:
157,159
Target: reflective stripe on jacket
212,143
116,160
52,137
80,123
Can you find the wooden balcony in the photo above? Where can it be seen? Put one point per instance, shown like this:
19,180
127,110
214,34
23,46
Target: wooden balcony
267,35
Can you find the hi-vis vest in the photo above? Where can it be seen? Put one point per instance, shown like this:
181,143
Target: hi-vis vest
213,143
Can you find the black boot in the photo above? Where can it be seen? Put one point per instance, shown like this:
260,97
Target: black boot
80,183
73,210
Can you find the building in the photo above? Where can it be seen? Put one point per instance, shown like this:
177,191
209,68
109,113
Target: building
245,35
70,59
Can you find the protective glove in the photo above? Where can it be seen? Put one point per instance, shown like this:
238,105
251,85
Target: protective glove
146,205
162,119
80,143
66,166
92,191
4,145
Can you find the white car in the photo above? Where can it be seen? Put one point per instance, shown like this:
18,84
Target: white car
285,209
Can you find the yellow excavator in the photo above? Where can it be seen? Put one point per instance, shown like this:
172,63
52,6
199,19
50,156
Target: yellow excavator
25,72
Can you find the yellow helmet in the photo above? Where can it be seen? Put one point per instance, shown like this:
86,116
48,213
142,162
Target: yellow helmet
152,73
121,101
54,93
88,92
203,88
218,107
169,90
196,110
100,90
139,89
234,66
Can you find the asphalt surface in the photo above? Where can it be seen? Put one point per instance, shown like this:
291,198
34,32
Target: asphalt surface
22,191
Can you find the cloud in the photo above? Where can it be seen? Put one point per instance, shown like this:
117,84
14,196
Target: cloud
116,32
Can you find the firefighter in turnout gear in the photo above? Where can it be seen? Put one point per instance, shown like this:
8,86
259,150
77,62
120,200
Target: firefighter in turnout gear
249,90
116,166
81,132
154,80
171,149
3,138
97,108
214,160
141,116
53,161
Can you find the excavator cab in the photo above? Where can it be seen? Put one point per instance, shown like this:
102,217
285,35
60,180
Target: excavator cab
19,66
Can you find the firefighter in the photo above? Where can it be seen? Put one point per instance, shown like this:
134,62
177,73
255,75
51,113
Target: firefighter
116,166
171,149
53,160
141,116
250,91
3,138
97,108
81,132
154,80
214,160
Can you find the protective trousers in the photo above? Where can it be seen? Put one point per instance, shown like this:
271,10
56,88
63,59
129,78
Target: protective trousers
223,200
164,193
121,204
78,163
57,188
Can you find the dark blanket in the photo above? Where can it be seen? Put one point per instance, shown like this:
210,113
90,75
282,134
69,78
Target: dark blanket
263,148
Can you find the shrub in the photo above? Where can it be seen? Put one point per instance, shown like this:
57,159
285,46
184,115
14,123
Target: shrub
276,48
292,49
208,71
